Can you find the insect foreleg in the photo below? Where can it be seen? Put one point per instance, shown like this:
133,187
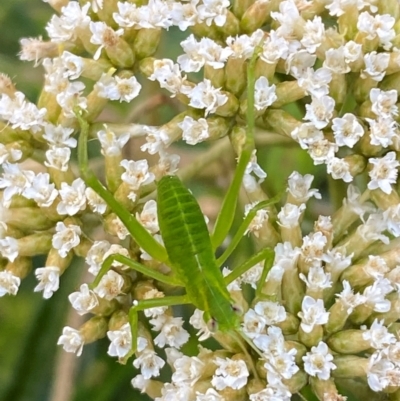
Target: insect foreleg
244,226
135,266
266,253
225,217
136,230
148,304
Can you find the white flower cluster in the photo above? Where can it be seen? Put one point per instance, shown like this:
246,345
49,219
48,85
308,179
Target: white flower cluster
324,305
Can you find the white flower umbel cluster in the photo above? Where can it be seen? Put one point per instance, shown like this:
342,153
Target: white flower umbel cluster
321,312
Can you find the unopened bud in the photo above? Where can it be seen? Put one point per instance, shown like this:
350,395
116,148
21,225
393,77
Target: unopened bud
94,329
146,42
348,342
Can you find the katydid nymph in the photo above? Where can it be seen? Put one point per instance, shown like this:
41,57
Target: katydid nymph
189,248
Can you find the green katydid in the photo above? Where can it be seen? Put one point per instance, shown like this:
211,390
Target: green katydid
189,248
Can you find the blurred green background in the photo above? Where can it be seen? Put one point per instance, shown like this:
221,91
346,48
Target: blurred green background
33,367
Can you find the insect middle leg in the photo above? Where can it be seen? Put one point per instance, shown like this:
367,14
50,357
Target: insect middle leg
107,264
148,304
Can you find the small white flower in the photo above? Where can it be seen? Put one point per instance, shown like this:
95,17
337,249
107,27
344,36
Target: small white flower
384,102
148,217
49,280
9,284
136,174
41,191
58,158
121,341
84,300
375,65
188,370
111,145
272,312
347,130
14,181
149,363
264,94
71,340
230,373
110,285
73,198
320,111
378,335
197,321
59,136
205,96
9,248
313,313
172,331
96,203
154,312
104,36
299,187
116,88
96,255
318,362
66,238
253,324
194,131
384,172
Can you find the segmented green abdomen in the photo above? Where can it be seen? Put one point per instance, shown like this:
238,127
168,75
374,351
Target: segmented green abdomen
188,245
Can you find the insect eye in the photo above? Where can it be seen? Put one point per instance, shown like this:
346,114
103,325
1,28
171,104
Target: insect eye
212,325
237,309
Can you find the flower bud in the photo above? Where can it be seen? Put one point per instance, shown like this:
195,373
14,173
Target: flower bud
6,86
281,122
290,325
146,42
216,76
49,102
391,7
393,315
95,104
325,389
54,259
338,315
10,135
348,342
297,381
105,13
231,26
34,244
385,201
235,75
360,314
348,366
20,267
255,386
299,347
287,92
94,329
347,22
27,219
256,15
229,108
117,320
313,338
292,291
